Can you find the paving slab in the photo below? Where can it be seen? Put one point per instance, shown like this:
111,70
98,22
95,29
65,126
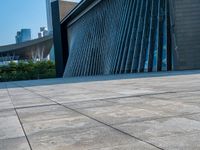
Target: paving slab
120,112
167,107
159,131
175,142
31,102
130,146
92,138
66,124
88,104
19,143
86,97
10,127
116,114
6,104
43,113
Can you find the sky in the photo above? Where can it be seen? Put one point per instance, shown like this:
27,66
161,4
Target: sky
18,14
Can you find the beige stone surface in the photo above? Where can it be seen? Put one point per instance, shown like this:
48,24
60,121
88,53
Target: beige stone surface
65,7
123,112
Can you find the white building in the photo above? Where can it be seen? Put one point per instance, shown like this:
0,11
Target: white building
43,32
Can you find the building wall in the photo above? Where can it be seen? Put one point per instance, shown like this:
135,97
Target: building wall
23,35
26,34
111,37
65,8
117,36
187,34
49,16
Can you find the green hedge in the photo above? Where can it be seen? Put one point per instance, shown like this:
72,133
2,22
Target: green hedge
27,71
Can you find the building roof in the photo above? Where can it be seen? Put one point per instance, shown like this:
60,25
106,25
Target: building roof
26,49
13,47
78,9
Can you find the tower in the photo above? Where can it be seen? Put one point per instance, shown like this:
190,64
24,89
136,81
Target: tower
49,16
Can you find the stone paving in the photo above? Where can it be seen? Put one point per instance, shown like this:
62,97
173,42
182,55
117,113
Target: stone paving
124,112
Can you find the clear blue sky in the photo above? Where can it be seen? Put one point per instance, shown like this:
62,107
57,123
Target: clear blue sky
17,14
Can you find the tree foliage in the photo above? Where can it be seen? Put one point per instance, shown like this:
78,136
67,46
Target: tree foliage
27,71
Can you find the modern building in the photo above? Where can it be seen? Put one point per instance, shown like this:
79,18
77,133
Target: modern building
101,37
37,49
43,32
49,16
64,8
23,35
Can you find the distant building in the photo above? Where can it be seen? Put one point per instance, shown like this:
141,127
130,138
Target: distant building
39,35
18,37
23,35
36,50
43,32
49,16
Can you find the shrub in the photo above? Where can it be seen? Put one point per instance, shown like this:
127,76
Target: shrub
27,71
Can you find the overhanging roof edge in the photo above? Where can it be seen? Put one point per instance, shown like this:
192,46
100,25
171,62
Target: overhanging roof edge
77,10
10,47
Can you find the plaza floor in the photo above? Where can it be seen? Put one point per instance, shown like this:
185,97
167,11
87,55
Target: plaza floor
123,112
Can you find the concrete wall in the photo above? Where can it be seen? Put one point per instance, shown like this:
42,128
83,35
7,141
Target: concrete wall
187,32
65,8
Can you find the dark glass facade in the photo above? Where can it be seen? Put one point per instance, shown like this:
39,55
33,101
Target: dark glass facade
117,36
102,37
23,35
